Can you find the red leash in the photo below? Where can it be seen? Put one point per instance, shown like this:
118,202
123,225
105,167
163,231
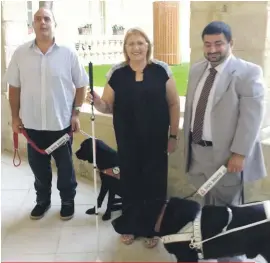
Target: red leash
16,146
50,149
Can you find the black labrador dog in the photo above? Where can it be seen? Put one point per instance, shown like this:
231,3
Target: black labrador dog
163,219
108,165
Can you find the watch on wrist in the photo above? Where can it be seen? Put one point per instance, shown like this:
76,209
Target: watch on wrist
173,136
116,170
77,109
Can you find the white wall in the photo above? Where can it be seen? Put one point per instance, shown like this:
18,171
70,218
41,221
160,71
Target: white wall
69,16
139,14
114,14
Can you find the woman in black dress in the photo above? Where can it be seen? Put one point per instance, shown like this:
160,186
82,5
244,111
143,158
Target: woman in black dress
141,94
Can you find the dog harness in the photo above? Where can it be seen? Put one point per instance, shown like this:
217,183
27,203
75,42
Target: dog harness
194,235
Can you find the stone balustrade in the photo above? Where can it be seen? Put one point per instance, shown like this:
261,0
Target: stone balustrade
97,49
100,49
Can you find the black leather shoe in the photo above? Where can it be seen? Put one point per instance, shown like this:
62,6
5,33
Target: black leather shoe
39,210
67,210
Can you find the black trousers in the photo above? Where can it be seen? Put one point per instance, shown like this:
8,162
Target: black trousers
41,165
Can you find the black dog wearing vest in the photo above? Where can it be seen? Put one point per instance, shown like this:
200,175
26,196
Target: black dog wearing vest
107,164
161,219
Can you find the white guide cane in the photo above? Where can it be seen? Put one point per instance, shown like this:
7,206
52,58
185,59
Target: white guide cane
90,68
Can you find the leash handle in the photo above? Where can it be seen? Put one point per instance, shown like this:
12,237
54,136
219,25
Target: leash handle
16,147
49,150
15,140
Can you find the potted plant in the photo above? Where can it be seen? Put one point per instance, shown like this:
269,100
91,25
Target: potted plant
85,30
118,29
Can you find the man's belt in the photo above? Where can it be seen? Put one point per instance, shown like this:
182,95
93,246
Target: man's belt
202,142
205,143
114,172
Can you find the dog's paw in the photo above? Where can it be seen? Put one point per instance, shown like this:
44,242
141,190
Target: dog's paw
90,211
106,217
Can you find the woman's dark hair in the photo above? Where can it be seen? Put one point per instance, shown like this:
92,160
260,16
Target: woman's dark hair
216,28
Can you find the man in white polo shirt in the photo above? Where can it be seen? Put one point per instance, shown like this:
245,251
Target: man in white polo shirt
47,87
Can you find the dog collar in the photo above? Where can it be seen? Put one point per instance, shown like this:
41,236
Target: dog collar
114,172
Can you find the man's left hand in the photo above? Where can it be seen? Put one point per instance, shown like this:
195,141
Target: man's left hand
172,145
236,163
75,124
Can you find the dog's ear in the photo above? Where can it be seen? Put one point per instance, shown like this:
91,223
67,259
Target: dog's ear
178,213
86,144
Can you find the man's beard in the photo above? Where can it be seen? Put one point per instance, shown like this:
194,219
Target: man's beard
216,58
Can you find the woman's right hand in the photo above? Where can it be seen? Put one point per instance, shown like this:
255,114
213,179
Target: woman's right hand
96,98
103,104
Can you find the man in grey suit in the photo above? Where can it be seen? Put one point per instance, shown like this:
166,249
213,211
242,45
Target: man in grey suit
223,115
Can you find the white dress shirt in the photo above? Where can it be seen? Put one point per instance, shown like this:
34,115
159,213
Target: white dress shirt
207,132
48,83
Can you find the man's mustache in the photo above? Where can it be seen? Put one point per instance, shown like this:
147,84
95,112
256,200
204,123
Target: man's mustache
216,53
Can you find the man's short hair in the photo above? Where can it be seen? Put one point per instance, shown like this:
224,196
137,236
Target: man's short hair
216,28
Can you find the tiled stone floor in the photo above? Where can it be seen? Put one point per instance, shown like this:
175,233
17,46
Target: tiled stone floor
50,239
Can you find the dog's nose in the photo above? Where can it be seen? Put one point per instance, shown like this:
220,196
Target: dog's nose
77,154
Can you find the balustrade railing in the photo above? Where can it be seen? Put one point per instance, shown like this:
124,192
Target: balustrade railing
100,49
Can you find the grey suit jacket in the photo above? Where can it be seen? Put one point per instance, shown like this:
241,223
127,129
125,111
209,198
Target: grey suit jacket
236,115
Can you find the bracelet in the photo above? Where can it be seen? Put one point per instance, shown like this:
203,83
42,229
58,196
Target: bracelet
173,136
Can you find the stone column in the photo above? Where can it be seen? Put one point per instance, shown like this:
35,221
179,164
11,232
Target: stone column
95,13
250,25
3,56
14,32
166,31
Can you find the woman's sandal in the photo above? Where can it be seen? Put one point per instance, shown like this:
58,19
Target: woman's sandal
151,242
127,239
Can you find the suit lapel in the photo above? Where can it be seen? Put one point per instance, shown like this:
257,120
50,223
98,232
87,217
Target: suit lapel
224,80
